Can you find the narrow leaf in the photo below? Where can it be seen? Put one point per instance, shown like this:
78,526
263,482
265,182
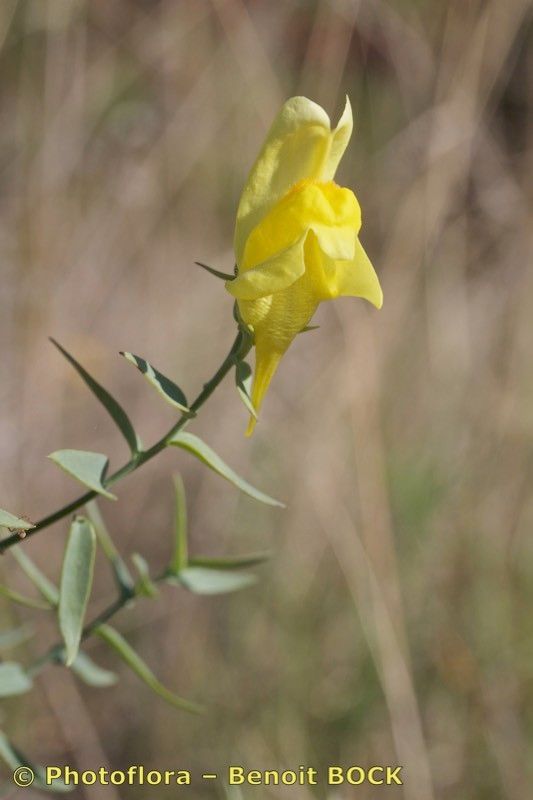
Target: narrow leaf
76,582
22,600
115,640
225,276
168,390
8,520
13,679
12,638
16,760
239,562
310,328
88,468
145,585
121,572
180,554
213,581
91,674
243,382
39,580
190,442
113,408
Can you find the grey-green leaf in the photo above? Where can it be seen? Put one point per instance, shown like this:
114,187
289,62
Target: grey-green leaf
121,572
202,580
237,562
168,390
39,580
8,520
87,467
91,674
14,759
195,445
21,599
145,586
13,679
243,382
113,408
126,652
76,582
180,554
13,638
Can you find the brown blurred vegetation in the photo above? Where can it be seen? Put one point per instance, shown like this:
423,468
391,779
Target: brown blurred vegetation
393,622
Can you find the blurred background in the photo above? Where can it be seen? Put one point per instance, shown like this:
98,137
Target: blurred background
392,624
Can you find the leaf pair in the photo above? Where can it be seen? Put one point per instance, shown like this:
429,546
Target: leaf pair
90,468
204,575
75,588
12,680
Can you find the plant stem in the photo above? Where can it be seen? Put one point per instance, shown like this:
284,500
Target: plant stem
239,349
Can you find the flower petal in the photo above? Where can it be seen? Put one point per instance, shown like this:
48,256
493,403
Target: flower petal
266,363
300,145
270,276
355,278
330,211
336,229
341,137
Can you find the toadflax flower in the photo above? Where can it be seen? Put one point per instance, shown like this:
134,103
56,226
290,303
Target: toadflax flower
296,235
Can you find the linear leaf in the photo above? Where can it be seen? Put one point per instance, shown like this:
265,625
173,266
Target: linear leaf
195,445
225,276
180,554
14,759
145,586
8,520
39,580
13,679
126,652
88,468
168,390
121,572
201,580
239,562
114,409
76,582
91,674
13,638
22,600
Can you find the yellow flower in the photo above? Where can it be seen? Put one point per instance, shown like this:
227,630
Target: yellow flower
296,235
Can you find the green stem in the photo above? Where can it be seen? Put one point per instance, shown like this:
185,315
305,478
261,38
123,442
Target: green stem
241,346
239,349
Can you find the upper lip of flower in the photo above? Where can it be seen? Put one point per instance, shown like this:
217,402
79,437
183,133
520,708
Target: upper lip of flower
300,145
